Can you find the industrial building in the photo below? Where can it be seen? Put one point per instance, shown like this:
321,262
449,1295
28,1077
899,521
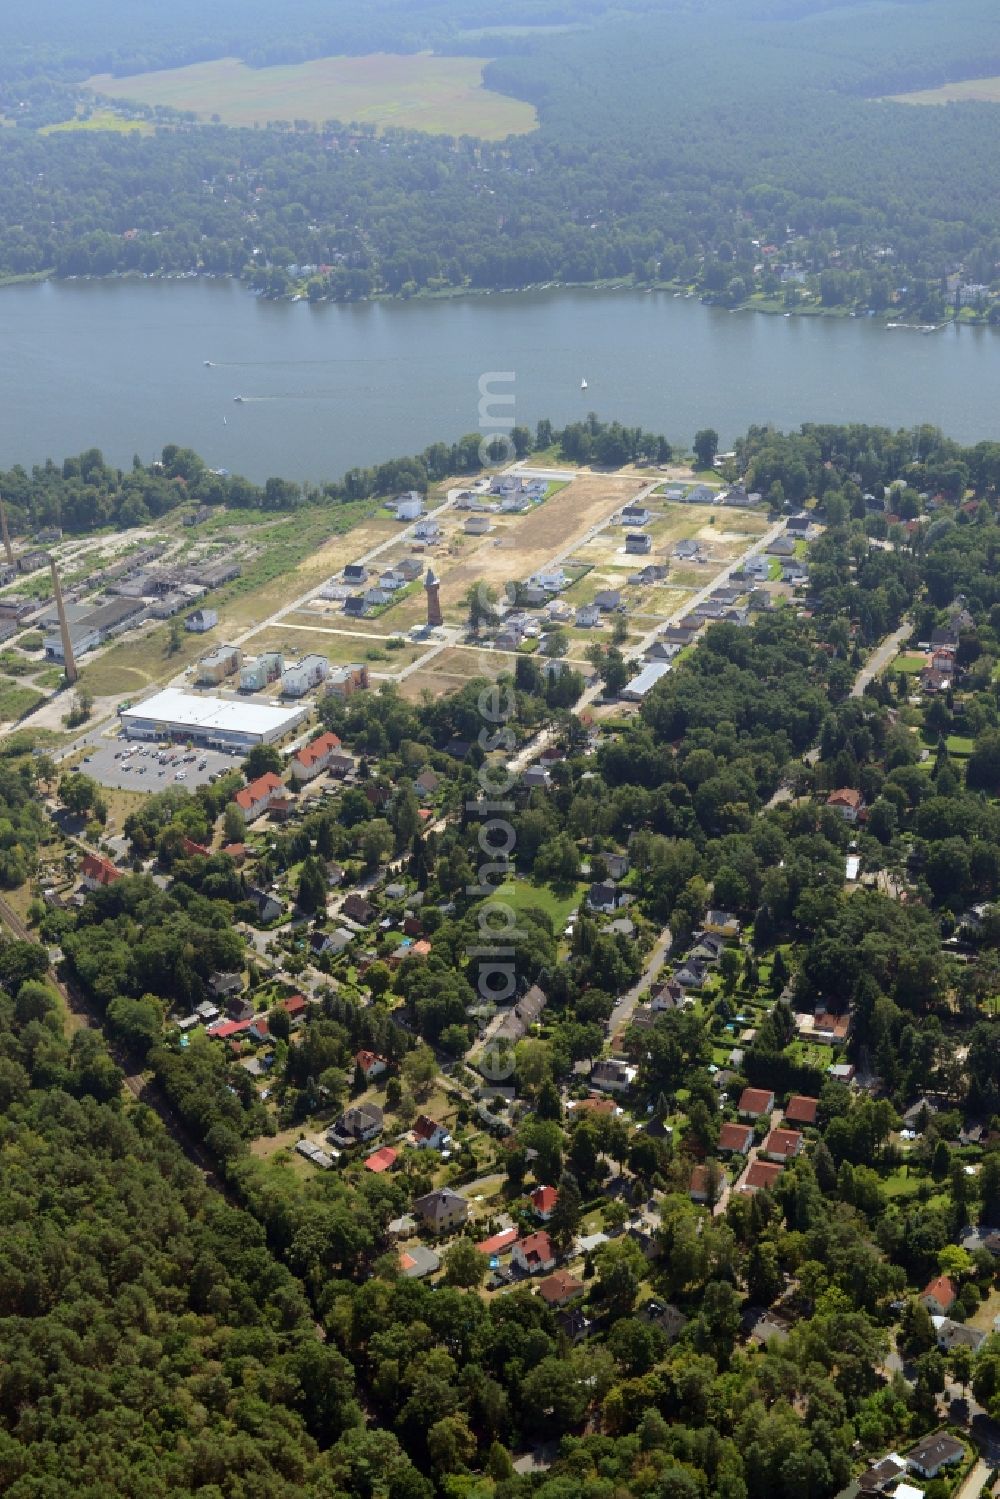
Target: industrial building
89,628
258,671
212,721
297,680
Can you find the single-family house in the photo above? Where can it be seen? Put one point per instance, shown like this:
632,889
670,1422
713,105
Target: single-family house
783,1144
699,1184
801,1110
760,1176
551,579
638,543
722,924
824,1027
560,1288
330,944
756,1102
256,798
224,985
315,1154
357,907
427,1134
604,896
612,1075
543,1200
689,551
416,1261
939,1295
608,599
498,1243
635,515
951,1334
934,1453
410,506
98,872
427,783
879,1476
798,525
847,801
357,1125
370,1065
477,525
381,1160
534,1254
680,635
441,1210
735,1139
355,573
266,904
588,616
525,1013
537,777
781,546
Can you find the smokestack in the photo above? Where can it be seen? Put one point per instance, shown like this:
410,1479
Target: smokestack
6,534
69,660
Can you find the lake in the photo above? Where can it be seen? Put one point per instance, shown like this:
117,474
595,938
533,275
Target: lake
121,365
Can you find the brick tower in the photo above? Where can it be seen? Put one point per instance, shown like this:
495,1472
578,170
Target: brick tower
433,587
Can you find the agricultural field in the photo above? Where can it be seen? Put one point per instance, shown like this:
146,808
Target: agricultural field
100,119
969,90
440,95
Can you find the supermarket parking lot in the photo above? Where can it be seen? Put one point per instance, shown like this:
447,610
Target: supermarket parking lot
130,765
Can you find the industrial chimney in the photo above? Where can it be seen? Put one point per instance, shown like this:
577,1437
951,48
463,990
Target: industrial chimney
6,534
69,660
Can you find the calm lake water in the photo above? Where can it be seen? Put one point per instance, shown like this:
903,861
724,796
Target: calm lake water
121,365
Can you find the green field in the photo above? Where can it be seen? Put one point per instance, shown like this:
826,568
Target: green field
100,119
441,95
521,894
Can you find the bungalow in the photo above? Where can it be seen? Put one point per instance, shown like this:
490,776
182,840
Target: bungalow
933,1453
357,908
370,1065
427,1134
477,525
330,944
313,758
587,617
782,546
497,1243
256,798
543,1200
441,1210
357,1125
689,551
534,1253
848,802
560,1288
612,1075
783,1145
735,1139
939,1296
381,1160
638,543
881,1474
801,1110
98,873
756,1102
760,1176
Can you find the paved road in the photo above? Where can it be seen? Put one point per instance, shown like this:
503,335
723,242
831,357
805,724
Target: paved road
658,956
973,1485
880,658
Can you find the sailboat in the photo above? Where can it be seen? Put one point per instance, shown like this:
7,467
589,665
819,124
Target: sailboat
208,364
583,384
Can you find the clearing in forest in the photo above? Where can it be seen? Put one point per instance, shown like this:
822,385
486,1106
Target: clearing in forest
969,90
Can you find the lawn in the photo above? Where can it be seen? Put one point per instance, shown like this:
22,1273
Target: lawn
910,663
16,701
521,894
442,95
100,119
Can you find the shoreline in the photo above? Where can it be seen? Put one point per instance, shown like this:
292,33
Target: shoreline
890,318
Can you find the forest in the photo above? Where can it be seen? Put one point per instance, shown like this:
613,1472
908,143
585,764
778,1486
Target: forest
624,179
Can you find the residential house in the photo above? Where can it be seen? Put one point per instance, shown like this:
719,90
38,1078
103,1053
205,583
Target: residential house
427,1134
357,1125
635,515
534,1254
497,1244
588,616
783,1144
824,1027
848,802
223,985
427,783
934,1453
543,1200
330,944
410,506
508,640
355,573
799,525
699,1184
801,1110
219,664
358,908
381,1160
680,635
370,1065
313,758
604,896
98,872
881,1474
782,546
842,1072
417,1260
525,1013
939,1296
608,600
410,569
722,924
735,1139
477,525
295,1007
617,865
267,905
441,1210
537,777
552,580
951,1334
689,551
612,1075
255,799
691,974
756,1102
560,1288
427,530
760,1176
638,543
659,651
201,621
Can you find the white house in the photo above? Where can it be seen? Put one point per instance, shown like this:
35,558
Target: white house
409,506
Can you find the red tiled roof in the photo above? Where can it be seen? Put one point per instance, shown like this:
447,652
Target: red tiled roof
425,1127
537,1247
942,1289
367,1059
497,1243
544,1199
596,1105
559,1287
227,1028
845,797
762,1174
296,1005
801,1110
194,850
699,1181
735,1136
755,1100
382,1159
100,870
235,851
310,753
783,1142
257,790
